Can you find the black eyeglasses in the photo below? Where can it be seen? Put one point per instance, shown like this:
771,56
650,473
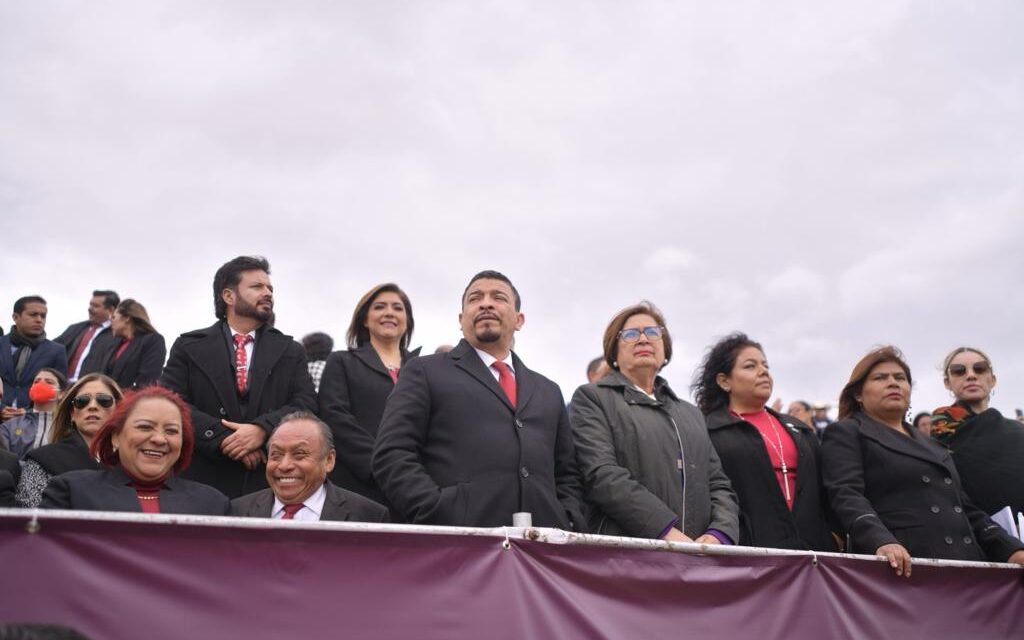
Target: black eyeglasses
105,400
633,335
980,368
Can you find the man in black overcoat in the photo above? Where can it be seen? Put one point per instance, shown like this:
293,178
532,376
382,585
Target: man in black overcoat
472,436
240,376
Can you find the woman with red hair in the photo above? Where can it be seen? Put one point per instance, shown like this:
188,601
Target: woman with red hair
145,444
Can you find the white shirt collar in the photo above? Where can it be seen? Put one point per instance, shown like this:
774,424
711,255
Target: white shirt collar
311,508
489,360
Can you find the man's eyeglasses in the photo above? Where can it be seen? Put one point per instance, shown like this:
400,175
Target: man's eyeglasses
103,399
980,368
633,335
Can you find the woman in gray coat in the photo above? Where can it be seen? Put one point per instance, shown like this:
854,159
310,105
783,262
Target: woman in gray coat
648,466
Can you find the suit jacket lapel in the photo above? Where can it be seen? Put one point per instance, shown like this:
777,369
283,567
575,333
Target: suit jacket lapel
526,383
368,356
907,445
270,344
466,358
126,495
334,505
117,365
212,357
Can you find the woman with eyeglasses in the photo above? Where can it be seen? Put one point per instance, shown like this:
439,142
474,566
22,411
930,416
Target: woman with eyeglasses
138,357
144,445
648,467
356,383
987,448
771,458
895,492
82,411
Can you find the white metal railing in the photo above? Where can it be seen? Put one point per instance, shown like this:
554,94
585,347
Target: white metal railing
35,521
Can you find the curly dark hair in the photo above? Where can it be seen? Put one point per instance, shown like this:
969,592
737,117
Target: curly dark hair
719,358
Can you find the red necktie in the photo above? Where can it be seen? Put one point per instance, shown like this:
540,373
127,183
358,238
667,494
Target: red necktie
290,510
86,337
241,375
506,380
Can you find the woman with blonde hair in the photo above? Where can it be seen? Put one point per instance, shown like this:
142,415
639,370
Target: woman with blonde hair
987,448
895,492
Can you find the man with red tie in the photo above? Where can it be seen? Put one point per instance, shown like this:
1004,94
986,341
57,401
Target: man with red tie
471,436
88,342
300,454
241,377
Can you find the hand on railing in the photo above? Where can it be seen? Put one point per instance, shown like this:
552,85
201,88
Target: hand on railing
898,557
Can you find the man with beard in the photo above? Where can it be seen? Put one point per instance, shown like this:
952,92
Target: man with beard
471,436
24,352
241,377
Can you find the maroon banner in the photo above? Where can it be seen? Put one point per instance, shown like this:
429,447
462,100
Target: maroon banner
150,579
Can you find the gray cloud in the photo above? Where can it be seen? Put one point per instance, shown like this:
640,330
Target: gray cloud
826,179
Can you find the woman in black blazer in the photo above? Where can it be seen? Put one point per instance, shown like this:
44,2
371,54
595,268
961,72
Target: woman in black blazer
142,447
138,358
895,492
771,458
357,382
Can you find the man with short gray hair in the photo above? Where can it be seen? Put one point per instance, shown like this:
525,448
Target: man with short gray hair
300,454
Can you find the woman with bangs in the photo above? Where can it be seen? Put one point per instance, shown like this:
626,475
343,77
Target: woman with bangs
145,444
649,469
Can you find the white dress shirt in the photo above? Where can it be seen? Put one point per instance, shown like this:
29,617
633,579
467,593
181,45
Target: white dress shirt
489,360
249,348
311,508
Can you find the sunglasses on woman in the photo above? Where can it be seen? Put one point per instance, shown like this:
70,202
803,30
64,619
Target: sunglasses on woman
979,368
633,335
104,400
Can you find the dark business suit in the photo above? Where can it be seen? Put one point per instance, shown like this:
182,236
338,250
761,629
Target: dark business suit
888,488
452,450
353,390
201,369
339,505
140,364
111,490
47,354
10,473
102,343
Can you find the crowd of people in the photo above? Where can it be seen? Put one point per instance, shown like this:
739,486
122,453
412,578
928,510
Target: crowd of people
243,420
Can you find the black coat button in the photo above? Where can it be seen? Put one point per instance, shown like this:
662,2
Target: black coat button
519,423
925,479
948,480
935,509
958,509
524,472
949,540
968,540
208,433
223,412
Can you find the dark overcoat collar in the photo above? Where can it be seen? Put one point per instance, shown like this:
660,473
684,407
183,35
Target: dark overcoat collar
466,358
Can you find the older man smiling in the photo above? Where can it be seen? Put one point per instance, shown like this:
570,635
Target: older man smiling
300,455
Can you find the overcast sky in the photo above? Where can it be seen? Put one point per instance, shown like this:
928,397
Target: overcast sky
826,179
